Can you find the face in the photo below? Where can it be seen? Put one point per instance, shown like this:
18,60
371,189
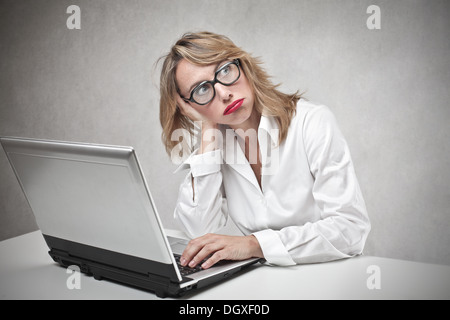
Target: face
232,105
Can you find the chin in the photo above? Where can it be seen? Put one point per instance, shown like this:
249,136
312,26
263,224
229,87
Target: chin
239,116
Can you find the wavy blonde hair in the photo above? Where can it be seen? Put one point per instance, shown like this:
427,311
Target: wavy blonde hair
206,48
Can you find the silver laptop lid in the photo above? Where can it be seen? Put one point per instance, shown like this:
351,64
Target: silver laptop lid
90,194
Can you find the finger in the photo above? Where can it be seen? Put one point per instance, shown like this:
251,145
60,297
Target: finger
187,255
180,100
188,110
216,257
191,250
204,253
181,108
182,104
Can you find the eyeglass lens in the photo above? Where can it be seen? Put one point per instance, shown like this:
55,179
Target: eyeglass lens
226,75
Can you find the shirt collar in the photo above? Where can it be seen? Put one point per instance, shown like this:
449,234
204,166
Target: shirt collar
270,125
267,124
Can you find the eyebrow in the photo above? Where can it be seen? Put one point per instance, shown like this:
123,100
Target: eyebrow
198,82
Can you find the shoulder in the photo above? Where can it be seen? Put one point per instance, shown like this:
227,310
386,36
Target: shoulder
311,115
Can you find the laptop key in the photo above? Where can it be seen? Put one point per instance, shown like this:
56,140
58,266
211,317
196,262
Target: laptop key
187,270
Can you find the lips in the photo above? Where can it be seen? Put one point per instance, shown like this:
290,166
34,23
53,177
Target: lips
233,107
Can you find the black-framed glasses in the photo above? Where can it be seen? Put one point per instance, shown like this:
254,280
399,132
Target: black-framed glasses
226,75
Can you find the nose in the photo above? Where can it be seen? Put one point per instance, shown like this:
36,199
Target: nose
224,93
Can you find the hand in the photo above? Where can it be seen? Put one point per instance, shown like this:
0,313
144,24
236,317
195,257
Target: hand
220,247
208,127
187,110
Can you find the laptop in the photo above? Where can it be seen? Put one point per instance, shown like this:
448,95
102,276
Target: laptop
95,210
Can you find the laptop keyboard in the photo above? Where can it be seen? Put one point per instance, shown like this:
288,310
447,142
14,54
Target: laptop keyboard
187,270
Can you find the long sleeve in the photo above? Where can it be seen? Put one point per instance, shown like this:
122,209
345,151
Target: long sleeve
343,225
202,209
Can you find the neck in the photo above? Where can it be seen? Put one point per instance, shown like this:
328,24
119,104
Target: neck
251,123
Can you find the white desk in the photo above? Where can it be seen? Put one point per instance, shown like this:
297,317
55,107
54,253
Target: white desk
28,272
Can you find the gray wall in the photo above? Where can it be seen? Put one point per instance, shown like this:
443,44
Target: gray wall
388,88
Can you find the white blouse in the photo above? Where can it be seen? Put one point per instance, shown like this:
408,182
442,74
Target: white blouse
309,207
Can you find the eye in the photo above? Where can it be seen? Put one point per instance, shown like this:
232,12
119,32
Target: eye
225,71
203,90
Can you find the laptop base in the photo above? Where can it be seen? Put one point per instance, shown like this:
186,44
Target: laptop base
132,270
103,264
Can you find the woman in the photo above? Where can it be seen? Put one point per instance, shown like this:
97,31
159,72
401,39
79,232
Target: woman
274,163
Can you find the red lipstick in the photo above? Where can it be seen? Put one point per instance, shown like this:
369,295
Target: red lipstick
233,107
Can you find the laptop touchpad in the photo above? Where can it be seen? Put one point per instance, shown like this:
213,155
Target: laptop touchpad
178,245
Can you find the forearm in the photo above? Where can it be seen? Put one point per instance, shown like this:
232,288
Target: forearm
208,143
325,240
201,206
210,137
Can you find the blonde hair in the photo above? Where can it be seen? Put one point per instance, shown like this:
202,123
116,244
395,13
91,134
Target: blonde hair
206,48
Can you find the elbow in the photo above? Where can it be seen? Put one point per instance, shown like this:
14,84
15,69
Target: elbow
365,233
360,232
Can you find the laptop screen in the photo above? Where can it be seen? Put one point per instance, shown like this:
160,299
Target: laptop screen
89,194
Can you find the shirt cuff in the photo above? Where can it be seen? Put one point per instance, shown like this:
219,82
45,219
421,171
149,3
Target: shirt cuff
273,248
202,164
